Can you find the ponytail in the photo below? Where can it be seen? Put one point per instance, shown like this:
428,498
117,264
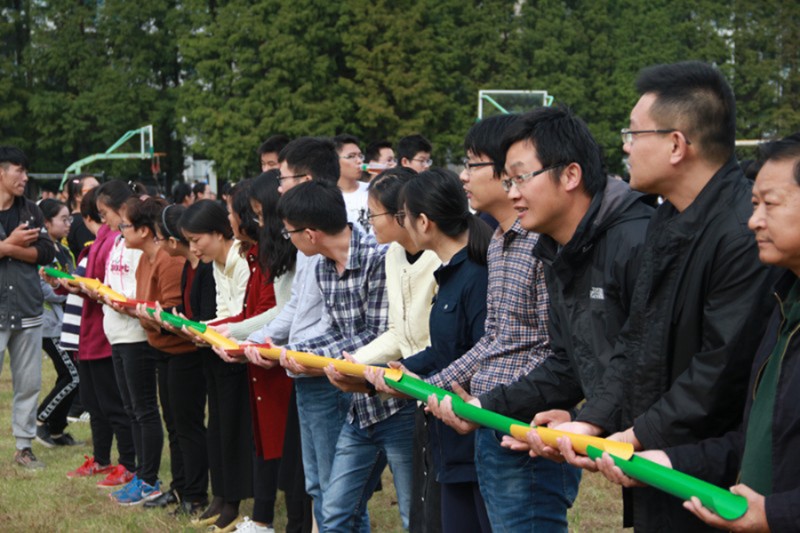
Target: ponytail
480,233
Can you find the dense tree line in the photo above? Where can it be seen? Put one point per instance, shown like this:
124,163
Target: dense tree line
215,77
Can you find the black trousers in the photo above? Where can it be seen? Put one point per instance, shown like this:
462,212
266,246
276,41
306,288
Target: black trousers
230,433
182,389
101,397
426,513
291,476
136,366
55,406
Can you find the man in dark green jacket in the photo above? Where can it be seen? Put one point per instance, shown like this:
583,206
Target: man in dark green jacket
761,455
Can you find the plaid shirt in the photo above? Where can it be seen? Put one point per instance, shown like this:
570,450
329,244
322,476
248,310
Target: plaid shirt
358,308
516,339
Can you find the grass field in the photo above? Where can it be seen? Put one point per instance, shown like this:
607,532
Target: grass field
46,500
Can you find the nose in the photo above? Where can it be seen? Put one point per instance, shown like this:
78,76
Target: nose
464,176
756,220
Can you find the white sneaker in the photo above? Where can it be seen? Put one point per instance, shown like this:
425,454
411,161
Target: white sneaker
248,526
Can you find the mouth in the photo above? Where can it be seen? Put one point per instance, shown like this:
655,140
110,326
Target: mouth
520,210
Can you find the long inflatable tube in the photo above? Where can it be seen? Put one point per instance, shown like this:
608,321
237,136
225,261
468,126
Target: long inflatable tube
723,502
421,390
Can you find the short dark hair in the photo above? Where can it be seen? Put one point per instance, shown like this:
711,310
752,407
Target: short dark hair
50,208
114,193
485,138
440,195
695,98
199,188
169,223
315,156
144,213
14,156
279,254
315,205
560,137
89,206
784,149
344,138
387,187
274,143
181,191
373,150
206,216
411,145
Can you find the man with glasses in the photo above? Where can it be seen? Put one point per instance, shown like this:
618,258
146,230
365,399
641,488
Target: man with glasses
590,229
353,189
352,278
679,369
414,152
520,493
303,317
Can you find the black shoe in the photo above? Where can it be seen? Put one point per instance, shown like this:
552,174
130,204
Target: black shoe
43,436
190,509
66,440
167,498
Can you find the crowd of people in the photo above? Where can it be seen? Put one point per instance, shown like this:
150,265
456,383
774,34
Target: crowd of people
660,312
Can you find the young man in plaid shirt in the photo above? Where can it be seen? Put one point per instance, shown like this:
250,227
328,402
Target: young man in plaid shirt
352,279
519,491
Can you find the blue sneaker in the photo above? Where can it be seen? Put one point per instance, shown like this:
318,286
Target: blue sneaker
145,493
133,486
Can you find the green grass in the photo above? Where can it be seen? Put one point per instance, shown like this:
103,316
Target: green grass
47,501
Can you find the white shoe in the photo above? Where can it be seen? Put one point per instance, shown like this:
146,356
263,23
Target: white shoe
248,526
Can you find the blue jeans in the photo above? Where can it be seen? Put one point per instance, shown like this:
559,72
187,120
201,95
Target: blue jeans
322,409
361,455
523,493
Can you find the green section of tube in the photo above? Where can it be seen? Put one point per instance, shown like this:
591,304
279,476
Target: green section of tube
420,390
53,273
726,504
178,322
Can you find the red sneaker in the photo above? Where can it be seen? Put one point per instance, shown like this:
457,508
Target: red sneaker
89,468
118,476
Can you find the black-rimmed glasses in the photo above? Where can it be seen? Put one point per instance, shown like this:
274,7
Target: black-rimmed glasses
287,234
293,176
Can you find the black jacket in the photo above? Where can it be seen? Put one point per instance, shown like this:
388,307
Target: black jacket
719,460
21,299
679,371
202,293
589,282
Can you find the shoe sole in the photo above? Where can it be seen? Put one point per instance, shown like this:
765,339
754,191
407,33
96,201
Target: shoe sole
99,486
197,522
44,442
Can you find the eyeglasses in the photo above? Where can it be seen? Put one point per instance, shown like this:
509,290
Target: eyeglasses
287,234
360,157
370,216
469,166
523,178
627,135
425,162
400,217
293,176
123,227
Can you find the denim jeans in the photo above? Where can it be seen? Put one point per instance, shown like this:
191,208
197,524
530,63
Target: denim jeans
523,493
361,455
322,409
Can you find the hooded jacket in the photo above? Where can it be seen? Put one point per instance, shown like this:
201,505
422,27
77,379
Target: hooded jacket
589,282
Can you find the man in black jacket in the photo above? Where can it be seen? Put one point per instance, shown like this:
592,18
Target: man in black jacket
679,370
23,244
761,455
